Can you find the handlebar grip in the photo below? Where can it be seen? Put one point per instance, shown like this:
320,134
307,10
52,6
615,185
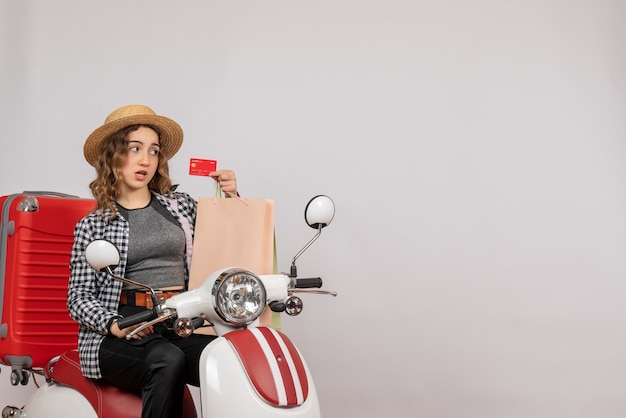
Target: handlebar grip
308,283
135,319
197,323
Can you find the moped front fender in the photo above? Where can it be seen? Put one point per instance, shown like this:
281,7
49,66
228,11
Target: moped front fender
227,391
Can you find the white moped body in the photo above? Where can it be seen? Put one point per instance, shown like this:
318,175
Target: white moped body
56,400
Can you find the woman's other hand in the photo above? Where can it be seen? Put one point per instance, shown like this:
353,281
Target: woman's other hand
227,180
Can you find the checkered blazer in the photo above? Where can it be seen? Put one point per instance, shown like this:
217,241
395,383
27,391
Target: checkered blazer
93,297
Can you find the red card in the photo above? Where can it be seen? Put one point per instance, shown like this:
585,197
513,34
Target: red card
199,167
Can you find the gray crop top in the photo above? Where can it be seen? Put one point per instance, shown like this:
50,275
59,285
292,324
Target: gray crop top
156,247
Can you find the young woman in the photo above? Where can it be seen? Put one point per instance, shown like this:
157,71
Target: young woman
152,225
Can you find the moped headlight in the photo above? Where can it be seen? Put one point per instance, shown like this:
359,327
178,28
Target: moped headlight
239,296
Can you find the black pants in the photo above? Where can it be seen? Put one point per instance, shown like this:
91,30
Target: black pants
157,366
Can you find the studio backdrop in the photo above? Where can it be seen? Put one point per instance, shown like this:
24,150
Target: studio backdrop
475,152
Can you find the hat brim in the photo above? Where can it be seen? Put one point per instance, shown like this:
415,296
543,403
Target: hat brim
171,135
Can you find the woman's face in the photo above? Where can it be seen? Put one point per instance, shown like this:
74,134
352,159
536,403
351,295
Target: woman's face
142,159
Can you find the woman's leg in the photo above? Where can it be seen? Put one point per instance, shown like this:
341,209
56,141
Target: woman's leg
153,366
192,346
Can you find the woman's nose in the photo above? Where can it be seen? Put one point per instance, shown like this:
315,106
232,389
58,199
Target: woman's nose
144,158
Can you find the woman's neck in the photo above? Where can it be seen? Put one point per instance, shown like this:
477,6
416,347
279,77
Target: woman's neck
135,200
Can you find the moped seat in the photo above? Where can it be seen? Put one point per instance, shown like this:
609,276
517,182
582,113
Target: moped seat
108,401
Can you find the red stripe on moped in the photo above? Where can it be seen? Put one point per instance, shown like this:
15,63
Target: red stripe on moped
282,363
273,365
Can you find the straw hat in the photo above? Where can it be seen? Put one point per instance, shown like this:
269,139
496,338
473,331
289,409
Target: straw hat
171,133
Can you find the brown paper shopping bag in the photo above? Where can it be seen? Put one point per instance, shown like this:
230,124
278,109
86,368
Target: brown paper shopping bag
233,233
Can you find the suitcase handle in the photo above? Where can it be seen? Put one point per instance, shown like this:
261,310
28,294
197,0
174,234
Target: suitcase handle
48,193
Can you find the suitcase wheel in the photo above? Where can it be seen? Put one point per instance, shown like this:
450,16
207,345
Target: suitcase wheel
18,376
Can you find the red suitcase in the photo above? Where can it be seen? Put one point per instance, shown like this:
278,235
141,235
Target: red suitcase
36,236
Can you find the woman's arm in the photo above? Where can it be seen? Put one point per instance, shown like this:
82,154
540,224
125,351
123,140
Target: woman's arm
92,296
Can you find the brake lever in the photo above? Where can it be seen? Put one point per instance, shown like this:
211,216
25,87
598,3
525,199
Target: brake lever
164,316
314,291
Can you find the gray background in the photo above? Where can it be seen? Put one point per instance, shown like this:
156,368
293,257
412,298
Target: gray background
475,151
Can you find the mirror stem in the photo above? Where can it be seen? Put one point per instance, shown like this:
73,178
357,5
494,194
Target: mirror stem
155,300
293,262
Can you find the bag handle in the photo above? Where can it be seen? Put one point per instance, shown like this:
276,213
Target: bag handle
218,194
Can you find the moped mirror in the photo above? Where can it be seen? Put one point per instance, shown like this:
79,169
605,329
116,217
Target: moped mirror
101,254
318,213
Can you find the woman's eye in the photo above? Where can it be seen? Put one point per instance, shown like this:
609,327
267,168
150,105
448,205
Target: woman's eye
133,149
154,151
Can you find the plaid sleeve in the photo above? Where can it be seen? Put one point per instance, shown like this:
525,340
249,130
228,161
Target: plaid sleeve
92,296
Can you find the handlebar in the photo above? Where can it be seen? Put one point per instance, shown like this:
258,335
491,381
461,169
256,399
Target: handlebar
308,283
152,315
138,318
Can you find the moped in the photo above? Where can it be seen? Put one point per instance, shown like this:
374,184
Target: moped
248,371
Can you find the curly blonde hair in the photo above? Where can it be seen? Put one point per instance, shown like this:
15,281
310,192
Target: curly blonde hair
105,187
